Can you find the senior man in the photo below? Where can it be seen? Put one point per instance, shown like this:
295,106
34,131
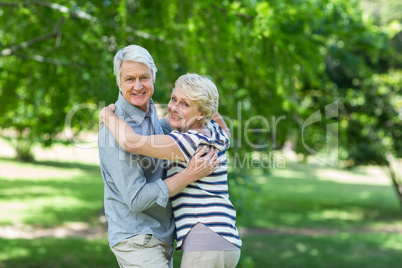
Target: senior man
136,193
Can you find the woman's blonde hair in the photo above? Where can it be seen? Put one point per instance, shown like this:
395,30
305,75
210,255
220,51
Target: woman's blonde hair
202,90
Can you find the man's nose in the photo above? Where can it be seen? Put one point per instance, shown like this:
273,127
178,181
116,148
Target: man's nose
137,84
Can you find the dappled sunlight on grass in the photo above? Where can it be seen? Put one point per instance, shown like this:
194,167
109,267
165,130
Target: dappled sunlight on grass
302,198
12,253
288,173
48,207
337,215
73,193
11,170
341,250
313,221
393,242
53,210
344,176
13,212
52,252
360,175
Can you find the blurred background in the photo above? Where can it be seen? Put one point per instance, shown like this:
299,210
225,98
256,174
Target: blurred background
311,90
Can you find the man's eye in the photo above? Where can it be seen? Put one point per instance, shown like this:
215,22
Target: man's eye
144,78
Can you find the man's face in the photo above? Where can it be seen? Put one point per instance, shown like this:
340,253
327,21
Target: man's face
137,84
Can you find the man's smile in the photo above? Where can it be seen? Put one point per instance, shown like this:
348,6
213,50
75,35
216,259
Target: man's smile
138,94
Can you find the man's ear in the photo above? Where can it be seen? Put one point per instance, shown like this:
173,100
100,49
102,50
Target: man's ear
118,84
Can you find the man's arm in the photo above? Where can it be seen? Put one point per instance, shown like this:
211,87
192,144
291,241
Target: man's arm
198,168
124,177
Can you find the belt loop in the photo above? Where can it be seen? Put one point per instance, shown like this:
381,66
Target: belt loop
147,238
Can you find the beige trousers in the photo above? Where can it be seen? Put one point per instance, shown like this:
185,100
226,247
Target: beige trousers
145,251
210,259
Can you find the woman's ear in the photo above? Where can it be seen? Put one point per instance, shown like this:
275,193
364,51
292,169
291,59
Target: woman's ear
201,116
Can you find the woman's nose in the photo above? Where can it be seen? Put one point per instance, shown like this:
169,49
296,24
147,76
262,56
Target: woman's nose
173,107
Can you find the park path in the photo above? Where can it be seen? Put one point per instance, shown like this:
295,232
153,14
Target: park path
84,230
75,229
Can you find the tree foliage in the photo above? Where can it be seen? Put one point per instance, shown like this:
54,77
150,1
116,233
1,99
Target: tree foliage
52,58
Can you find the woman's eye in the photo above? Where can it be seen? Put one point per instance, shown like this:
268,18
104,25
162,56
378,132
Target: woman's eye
185,104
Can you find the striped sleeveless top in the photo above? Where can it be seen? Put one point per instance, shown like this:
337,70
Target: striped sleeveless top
206,200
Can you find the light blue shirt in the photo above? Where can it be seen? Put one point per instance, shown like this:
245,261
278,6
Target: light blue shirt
165,126
136,198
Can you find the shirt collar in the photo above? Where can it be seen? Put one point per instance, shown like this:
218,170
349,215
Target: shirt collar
134,112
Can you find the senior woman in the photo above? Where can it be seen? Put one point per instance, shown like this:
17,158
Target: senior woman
204,216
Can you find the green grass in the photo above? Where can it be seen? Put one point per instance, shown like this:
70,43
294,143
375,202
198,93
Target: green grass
297,198
343,250
317,217
70,192
56,253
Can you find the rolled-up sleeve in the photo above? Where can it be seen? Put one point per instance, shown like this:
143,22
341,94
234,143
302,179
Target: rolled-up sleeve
124,175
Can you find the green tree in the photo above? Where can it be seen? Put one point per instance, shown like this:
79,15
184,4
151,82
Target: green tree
275,62
53,58
369,82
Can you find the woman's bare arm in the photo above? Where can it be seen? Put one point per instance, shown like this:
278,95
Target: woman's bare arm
156,146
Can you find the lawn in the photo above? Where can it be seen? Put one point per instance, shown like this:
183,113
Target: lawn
300,216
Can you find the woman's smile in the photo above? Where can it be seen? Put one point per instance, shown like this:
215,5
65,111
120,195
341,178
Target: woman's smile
183,112
175,117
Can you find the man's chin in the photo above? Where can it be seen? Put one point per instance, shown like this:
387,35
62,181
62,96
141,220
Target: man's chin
141,105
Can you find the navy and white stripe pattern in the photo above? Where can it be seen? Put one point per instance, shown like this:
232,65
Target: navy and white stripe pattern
206,200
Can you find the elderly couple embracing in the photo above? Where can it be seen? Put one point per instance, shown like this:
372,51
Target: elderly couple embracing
166,179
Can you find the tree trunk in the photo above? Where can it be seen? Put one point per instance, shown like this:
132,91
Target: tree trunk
23,147
392,171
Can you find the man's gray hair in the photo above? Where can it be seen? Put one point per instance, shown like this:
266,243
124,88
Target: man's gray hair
133,53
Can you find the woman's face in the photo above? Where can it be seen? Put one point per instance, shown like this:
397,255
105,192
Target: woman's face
183,112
